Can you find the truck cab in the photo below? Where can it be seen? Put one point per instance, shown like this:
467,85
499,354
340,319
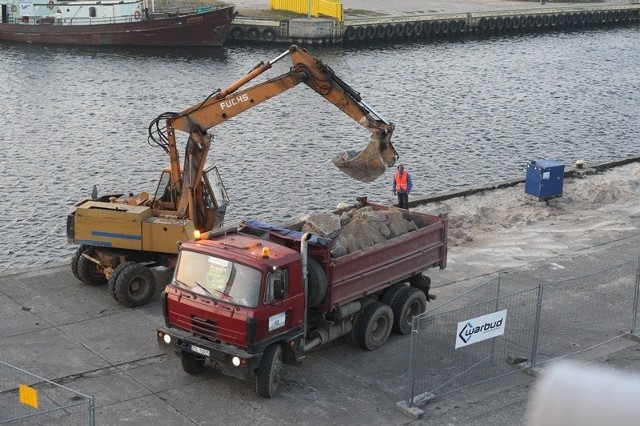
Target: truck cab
231,298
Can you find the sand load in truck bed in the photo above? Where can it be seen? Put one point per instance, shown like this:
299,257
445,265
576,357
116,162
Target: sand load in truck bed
357,229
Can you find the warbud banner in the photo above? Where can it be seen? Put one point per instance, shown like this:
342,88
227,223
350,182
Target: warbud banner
481,328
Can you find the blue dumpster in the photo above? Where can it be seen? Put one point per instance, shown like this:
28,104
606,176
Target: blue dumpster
544,179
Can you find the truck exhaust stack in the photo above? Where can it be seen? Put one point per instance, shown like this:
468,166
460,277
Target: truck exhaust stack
371,162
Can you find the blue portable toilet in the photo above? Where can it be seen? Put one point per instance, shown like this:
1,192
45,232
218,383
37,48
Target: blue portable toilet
544,179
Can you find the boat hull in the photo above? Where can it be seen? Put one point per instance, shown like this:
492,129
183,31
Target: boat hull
195,29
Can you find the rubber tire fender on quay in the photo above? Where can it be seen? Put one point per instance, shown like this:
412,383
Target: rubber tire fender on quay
398,30
408,30
269,34
427,28
350,33
371,32
417,29
444,27
389,31
436,26
253,34
236,33
453,27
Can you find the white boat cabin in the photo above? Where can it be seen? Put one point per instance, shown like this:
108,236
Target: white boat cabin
71,12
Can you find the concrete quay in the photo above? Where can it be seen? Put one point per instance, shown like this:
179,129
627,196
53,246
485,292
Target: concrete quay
370,22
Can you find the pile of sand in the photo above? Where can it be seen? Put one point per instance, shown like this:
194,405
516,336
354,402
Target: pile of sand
356,229
511,207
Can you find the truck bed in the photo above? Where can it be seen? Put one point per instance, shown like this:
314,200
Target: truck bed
373,268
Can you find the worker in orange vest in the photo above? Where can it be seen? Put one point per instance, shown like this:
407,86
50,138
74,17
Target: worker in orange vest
402,186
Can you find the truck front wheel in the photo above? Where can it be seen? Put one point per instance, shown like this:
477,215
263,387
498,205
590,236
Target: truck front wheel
191,363
269,372
135,285
409,303
374,326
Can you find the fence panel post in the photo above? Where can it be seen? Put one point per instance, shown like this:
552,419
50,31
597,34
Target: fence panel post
415,327
634,320
536,327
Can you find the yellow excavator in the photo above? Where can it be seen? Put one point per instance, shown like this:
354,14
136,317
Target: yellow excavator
122,237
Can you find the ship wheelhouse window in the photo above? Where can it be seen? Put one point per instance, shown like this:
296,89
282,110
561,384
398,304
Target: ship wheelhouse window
92,12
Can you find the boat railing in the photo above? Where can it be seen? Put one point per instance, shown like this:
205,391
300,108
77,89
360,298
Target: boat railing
72,21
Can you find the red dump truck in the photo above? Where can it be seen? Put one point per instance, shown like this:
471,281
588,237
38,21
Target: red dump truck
252,297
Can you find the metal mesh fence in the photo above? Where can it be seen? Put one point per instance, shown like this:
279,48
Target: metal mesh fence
573,317
439,368
579,315
27,399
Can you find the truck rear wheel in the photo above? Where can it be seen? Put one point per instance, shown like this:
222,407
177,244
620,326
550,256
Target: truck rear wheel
135,285
392,293
269,372
191,363
374,326
87,271
409,303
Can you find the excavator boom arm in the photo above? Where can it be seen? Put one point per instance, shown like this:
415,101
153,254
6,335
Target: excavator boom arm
225,104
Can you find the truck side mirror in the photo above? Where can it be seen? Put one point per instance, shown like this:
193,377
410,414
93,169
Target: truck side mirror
278,289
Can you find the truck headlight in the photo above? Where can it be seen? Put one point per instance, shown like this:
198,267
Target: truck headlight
167,339
236,361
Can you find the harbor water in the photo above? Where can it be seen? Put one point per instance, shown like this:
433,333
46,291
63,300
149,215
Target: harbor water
467,112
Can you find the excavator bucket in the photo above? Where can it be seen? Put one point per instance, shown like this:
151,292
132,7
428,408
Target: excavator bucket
370,163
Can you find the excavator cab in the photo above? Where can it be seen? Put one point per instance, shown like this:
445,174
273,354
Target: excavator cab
211,197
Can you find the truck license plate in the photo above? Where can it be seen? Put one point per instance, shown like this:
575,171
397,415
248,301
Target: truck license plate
201,351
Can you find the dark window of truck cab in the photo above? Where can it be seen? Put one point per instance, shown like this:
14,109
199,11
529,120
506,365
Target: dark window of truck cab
272,277
92,12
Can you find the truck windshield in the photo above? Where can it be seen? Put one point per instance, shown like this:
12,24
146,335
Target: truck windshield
218,278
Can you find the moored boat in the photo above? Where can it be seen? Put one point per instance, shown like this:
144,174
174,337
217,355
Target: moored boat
111,22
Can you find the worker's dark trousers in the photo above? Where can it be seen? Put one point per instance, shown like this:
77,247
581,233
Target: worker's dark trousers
403,200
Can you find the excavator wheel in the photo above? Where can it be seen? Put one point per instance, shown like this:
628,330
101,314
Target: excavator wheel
85,270
135,285
75,259
114,277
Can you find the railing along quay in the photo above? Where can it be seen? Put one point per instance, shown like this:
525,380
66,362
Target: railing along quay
320,31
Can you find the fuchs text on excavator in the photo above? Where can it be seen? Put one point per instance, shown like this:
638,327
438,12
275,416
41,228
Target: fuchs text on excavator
122,236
